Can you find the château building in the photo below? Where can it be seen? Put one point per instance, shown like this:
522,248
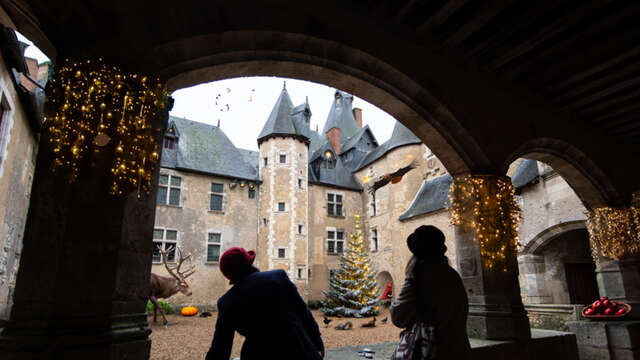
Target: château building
295,199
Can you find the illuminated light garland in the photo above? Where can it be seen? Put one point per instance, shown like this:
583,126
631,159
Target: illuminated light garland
487,204
94,107
614,232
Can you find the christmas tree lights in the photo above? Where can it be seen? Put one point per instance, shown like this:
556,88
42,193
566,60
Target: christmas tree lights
94,107
353,291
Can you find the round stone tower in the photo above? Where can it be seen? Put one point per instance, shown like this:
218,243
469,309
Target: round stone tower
283,202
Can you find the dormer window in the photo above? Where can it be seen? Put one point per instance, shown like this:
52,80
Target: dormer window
169,142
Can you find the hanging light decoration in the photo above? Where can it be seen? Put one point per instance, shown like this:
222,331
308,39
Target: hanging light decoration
95,108
614,232
488,205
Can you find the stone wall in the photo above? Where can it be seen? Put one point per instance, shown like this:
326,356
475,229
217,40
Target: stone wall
18,148
548,203
394,199
320,222
236,223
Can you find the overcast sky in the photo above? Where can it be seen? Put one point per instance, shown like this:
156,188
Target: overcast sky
250,101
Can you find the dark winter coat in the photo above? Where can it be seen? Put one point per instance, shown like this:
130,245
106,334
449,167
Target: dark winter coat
444,305
265,307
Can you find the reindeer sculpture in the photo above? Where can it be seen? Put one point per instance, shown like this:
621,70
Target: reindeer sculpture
164,287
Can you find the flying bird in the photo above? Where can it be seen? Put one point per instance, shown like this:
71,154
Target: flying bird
393,177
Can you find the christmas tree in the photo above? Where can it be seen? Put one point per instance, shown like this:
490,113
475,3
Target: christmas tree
352,289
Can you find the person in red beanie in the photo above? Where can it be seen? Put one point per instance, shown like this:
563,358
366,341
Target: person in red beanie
266,308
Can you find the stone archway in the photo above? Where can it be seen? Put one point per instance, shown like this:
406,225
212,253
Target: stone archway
547,235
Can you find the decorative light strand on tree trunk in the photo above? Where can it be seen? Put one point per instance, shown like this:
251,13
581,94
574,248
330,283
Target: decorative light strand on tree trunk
92,108
487,205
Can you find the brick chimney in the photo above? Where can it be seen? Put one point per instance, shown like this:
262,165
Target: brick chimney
333,135
357,114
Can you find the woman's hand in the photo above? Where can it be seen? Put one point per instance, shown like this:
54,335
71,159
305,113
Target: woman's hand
408,271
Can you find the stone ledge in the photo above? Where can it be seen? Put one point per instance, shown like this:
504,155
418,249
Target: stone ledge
543,344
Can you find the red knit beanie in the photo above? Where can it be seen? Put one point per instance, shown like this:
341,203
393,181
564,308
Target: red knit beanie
235,262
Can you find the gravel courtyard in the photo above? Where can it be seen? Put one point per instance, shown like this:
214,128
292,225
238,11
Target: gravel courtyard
190,337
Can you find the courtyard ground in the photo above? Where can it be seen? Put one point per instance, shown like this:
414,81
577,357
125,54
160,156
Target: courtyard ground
190,337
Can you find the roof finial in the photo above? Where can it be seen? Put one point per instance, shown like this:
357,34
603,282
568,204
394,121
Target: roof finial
306,99
316,127
218,122
284,85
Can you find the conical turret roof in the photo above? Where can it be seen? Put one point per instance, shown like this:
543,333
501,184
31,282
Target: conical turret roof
341,116
280,121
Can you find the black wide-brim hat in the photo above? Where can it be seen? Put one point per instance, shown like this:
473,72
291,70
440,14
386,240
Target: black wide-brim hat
427,241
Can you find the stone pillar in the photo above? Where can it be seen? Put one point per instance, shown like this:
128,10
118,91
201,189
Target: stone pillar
83,281
484,211
615,243
532,270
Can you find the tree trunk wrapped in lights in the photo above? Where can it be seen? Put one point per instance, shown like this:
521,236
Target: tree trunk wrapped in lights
495,216
94,108
353,291
614,232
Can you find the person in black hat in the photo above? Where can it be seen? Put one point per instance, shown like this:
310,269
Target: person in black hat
435,288
266,308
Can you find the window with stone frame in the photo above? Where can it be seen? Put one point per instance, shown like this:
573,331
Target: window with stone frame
282,253
252,193
372,204
283,158
300,272
169,187
335,241
217,195
334,205
164,239
374,240
214,245
266,161
169,142
282,206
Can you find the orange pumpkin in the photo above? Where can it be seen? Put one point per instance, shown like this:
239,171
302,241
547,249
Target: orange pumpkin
189,310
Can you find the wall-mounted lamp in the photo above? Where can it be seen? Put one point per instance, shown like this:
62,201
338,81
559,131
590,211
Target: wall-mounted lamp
251,186
328,154
242,184
233,184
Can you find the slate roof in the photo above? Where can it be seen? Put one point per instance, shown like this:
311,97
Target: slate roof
339,176
206,149
315,141
251,157
432,196
525,174
352,141
400,136
341,116
281,122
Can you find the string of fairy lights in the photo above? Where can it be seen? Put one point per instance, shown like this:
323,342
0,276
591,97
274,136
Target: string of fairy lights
487,204
93,108
614,232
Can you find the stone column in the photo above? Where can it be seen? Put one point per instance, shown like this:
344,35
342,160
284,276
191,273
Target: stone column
484,210
83,280
615,242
